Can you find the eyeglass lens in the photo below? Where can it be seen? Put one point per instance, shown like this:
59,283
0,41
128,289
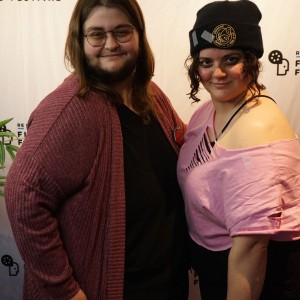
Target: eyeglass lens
97,38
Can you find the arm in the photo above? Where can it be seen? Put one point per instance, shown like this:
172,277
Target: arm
31,200
43,190
246,267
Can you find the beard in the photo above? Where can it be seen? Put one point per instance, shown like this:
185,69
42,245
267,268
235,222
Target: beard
98,74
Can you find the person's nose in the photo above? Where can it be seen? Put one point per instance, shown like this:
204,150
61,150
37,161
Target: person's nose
219,72
110,43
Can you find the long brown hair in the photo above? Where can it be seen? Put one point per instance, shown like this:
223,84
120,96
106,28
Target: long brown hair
252,67
74,53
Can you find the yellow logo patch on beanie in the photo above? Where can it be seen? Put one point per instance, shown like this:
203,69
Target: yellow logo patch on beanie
224,36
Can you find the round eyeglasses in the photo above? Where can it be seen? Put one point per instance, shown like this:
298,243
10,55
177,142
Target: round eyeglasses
122,34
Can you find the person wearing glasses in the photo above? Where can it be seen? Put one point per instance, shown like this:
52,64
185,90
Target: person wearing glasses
92,195
239,166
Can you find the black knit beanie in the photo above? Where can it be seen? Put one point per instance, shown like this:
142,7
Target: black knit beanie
227,25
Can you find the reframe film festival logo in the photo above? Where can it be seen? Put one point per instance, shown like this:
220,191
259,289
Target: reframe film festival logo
283,65
12,267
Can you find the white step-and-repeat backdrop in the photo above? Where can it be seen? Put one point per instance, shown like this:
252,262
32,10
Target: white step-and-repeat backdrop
32,36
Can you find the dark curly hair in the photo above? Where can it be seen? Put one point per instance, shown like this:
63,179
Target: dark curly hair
252,67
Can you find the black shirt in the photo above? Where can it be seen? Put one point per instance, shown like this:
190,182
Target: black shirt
156,231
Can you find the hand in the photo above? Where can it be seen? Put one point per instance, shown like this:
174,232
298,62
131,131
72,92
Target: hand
79,296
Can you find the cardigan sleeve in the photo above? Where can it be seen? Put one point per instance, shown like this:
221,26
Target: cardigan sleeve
51,166
32,198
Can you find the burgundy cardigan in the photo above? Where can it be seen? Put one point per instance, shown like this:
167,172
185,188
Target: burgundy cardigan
65,195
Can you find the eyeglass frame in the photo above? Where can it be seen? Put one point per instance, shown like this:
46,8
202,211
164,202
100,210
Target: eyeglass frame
113,35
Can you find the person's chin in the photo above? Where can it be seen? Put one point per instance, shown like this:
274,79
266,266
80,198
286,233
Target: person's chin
112,68
111,74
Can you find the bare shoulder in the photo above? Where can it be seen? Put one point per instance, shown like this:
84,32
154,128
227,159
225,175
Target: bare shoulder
260,122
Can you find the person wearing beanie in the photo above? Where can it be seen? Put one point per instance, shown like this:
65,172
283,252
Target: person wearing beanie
239,166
